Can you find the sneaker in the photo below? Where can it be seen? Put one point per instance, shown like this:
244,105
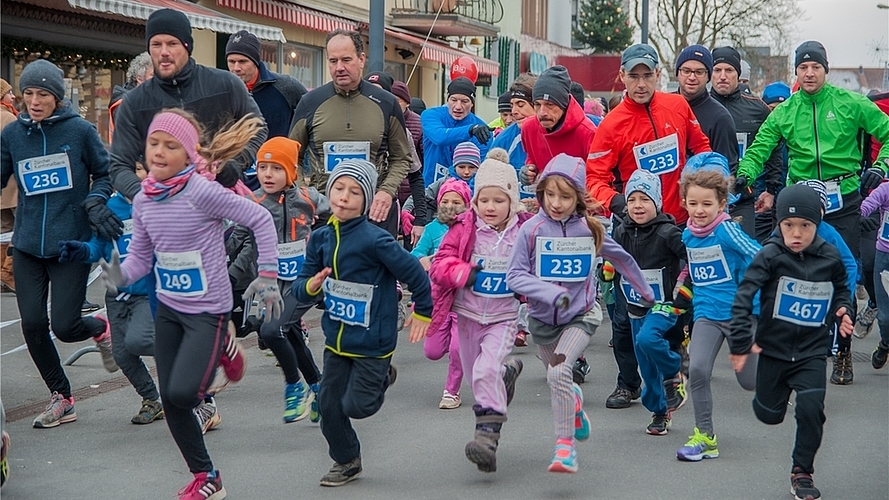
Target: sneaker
674,389
58,411
297,402
622,398
860,292
864,322
220,382
521,339
880,355
89,307
698,447
564,457
659,425
208,415
842,369
582,425
205,486
514,367
341,474
4,463
449,401
580,370
103,342
233,360
150,411
393,374
314,411
402,316
802,487
305,331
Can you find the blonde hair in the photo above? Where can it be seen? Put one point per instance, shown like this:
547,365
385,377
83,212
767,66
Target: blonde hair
585,206
228,142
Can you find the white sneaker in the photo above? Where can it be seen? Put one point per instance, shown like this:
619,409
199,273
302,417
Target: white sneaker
449,401
207,415
865,322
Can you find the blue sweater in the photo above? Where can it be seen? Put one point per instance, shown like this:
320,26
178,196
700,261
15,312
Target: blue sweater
441,134
510,139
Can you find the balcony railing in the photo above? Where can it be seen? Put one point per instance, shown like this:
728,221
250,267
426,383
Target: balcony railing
484,11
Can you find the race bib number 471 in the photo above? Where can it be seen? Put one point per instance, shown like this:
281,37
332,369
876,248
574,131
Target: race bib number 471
564,259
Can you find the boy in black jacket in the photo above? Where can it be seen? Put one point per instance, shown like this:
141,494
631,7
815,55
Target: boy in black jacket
804,290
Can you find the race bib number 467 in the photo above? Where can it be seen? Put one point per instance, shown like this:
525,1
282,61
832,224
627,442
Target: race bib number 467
801,302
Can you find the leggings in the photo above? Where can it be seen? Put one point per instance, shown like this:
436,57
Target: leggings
558,357
132,336
187,351
284,338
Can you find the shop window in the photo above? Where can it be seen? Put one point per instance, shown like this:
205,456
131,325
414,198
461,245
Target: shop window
299,61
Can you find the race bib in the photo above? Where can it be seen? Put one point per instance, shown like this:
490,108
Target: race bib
834,197
335,152
290,259
45,174
742,143
491,281
654,278
122,244
565,259
660,156
884,228
708,265
348,302
803,303
180,274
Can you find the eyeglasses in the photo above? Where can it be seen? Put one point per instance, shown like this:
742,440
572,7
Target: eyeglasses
644,76
697,72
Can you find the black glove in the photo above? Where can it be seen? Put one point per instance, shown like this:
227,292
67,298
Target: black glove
473,274
741,185
73,251
618,204
103,220
871,179
228,175
870,223
480,132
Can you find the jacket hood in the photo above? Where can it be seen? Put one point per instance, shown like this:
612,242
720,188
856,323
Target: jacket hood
62,113
119,91
265,76
573,117
569,167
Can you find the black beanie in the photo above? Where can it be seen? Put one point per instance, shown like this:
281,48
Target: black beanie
381,78
553,85
576,91
463,86
169,22
504,102
811,51
798,200
246,44
727,55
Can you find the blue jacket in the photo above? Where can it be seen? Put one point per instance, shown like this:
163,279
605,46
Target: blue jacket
360,252
43,220
510,139
277,97
441,134
431,239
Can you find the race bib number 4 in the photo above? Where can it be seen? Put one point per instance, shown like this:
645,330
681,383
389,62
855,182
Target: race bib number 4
290,259
180,274
708,265
884,228
654,278
801,302
45,174
564,259
348,302
335,152
660,156
491,280
122,244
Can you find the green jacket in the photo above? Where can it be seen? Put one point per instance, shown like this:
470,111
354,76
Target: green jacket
823,135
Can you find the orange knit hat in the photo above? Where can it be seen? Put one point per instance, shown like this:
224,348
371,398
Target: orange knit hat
281,151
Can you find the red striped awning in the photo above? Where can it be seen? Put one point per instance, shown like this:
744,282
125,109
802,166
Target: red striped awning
290,13
445,54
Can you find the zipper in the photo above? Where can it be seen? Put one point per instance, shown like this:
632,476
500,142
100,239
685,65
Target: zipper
336,275
817,147
651,119
45,202
283,201
556,309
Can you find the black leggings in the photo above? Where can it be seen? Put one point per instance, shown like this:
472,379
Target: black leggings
187,349
33,276
284,337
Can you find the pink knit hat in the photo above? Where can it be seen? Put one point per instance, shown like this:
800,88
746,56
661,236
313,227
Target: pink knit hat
179,128
458,186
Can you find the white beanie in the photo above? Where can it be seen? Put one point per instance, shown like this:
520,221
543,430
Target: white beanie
496,172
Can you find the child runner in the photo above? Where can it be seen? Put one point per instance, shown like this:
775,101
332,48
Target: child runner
553,266
465,164
132,324
471,262
453,199
719,252
356,265
294,209
802,282
177,202
652,238
879,199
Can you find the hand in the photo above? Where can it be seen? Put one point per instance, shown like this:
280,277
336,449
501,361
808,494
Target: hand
106,224
426,262
741,183
317,280
112,276
73,251
473,275
266,290
379,209
765,202
845,324
738,361
481,132
407,222
871,179
870,223
563,302
419,328
416,233
528,175
618,204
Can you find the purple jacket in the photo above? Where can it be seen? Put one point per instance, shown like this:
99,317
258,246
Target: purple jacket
878,199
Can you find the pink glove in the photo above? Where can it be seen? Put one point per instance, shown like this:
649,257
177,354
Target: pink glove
407,222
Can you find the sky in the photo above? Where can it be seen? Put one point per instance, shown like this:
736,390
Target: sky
849,30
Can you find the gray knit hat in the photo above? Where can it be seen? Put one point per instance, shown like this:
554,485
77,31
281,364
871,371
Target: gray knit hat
42,74
553,85
364,173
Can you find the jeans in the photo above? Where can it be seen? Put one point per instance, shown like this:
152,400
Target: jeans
881,263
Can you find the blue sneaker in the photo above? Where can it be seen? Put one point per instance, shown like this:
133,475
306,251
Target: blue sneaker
698,447
297,402
564,457
315,412
582,423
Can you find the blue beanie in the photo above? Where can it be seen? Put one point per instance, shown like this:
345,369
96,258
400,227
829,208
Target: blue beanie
710,161
646,183
696,53
776,92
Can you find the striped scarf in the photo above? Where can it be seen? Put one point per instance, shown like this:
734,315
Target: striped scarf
161,190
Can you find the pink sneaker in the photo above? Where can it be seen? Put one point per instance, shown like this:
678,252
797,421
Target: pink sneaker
103,342
233,360
205,486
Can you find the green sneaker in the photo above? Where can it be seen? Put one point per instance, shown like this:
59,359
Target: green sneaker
297,402
314,411
698,447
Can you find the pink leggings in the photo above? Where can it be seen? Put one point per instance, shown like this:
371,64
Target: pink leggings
446,340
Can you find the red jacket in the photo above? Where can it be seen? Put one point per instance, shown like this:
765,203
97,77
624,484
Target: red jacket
611,160
573,138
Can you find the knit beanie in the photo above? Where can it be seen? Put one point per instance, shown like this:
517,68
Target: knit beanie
819,187
553,85
646,183
798,200
246,44
727,55
44,75
180,128
467,152
462,86
455,186
399,89
281,151
811,51
169,22
5,87
696,53
381,78
417,105
504,102
775,92
363,172
496,172
576,91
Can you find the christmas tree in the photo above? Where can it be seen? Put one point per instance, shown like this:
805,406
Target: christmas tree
603,26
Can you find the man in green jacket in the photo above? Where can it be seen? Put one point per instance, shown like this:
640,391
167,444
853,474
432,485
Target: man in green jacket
822,126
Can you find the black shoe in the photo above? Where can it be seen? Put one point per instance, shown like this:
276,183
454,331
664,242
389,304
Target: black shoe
580,371
842,369
659,425
802,487
622,398
341,474
393,374
510,375
674,390
89,307
879,357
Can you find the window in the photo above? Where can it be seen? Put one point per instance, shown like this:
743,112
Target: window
301,62
534,18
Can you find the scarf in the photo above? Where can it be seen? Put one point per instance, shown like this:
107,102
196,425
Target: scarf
702,232
161,190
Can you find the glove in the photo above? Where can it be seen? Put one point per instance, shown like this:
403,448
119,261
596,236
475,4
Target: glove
870,223
266,290
618,204
527,175
73,251
741,185
871,179
682,298
112,276
473,274
607,271
106,224
481,132
407,222
228,175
